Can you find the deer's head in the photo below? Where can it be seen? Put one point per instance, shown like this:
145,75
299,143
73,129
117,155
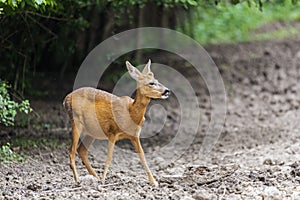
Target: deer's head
146,83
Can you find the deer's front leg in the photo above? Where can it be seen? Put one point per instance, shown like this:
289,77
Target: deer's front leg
110,149
138,147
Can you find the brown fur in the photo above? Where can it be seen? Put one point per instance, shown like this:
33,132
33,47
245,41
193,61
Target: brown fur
97,114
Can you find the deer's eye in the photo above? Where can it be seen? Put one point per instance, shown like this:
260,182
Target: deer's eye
152,83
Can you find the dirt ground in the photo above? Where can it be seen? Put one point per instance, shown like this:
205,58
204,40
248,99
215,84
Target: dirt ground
257,155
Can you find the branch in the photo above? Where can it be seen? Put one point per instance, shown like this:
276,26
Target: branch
9,35
17,51
42,26
47,17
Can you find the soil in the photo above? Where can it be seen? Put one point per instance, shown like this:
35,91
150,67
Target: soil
257,155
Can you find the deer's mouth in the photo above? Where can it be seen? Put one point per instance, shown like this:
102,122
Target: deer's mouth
166,94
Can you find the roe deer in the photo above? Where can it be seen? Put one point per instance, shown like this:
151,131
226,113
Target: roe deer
97,114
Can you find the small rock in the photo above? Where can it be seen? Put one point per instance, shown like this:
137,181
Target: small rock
268,162
296,195
34,187
273,162
83,196
296,172
202,195
88,181
295,165
187,198
159,160
94,193
272,193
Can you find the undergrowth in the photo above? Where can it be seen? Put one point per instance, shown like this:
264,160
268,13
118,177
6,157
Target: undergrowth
8,155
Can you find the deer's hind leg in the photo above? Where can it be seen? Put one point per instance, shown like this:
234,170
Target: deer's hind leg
83,154
76,131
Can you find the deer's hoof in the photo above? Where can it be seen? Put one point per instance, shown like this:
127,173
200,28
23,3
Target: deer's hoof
77,183
155,183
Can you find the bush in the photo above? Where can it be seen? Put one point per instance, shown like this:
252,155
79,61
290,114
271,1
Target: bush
7,155
9,108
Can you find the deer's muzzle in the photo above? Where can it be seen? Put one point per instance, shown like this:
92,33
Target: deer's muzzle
166,94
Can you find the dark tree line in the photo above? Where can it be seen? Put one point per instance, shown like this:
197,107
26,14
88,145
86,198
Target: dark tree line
55,36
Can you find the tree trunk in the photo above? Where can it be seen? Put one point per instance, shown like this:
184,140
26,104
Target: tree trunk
140,19
94,29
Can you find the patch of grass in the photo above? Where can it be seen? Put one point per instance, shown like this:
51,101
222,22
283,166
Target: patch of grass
282,33
8,155
226,23
39,141
18,147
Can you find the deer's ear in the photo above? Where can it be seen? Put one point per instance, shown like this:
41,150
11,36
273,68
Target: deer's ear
147,70
134,72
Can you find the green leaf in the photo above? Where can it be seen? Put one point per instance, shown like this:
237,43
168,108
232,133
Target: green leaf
39,2
192,2
9,108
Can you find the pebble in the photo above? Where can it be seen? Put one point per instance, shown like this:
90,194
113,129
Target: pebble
187,198
272,193
88,181
202,195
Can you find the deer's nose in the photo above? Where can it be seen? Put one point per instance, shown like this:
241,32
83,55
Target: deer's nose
167,92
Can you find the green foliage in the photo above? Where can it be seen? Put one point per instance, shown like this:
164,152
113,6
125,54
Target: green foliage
120,4
173,3
33,31
8,155
227,23
52,35
10,6
9,108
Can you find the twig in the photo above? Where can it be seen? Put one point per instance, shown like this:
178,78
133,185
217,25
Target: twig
34,50
43,27
218,178
47,17
8,36
112,184
17,51
64,190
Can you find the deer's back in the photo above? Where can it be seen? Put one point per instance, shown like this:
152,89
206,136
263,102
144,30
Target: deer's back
91,111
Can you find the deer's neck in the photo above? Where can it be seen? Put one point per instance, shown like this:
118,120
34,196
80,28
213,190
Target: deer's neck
139,107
